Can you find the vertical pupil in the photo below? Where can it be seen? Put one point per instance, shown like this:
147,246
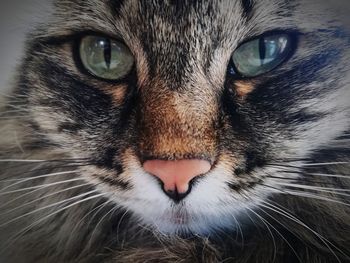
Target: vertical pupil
262,50
107,52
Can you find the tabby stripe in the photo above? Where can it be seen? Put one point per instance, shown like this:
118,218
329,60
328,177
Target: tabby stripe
247,6
116,182
115,7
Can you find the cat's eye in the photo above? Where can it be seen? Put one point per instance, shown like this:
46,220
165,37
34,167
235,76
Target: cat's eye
105,58
261,55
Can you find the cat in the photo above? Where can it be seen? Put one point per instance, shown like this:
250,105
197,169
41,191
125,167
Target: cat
179,131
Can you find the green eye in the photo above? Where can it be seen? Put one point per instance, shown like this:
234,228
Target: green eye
261,55
105,58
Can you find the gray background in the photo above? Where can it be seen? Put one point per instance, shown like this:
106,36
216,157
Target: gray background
18,16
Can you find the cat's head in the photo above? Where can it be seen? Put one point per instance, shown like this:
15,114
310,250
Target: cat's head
182,107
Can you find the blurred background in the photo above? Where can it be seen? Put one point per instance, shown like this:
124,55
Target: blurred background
18,16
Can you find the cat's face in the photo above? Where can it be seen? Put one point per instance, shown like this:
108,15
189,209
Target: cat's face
180,95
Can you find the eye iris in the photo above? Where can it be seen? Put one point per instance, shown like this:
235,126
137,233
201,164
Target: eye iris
105,58
261,55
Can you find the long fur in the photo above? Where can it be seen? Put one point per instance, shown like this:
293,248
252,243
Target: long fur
71,146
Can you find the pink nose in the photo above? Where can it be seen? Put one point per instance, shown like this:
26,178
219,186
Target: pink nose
176,175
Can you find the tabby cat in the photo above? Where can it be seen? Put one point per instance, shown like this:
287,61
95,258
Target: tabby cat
179,131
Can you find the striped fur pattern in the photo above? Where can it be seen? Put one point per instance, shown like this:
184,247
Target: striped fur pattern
72,146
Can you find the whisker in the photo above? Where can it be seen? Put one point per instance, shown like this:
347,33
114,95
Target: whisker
314,196
318,174
39,186
239,229
305,163
97,209
22,161
281,165
20,181
29,193
159,236
89,243
299,169
26,229
313,187
58,164
306,195
298,221
40,160
303,180
317,188
87,225
44,197
267,224
54,165
47,169
285,240
119,224
45,207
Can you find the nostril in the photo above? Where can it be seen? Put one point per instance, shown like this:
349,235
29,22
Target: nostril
177,175
175,195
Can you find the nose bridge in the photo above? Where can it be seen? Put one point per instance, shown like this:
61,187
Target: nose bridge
177,124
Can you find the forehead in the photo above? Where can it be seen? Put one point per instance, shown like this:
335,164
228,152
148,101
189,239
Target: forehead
164,21
169,17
